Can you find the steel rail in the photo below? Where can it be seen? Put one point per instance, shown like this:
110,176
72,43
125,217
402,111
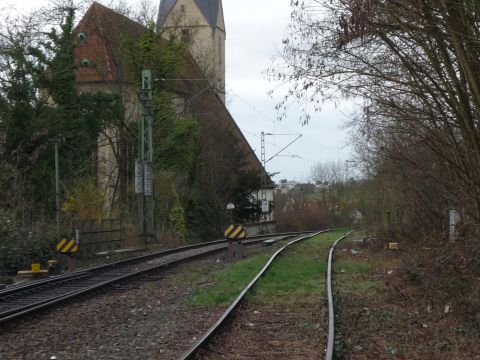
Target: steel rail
47,303
184,248
50,280
44,303
331,314
221,321
95,269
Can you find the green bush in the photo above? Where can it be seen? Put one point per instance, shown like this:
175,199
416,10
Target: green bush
20,247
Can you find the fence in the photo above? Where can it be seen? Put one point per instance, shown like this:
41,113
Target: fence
258,228
100,235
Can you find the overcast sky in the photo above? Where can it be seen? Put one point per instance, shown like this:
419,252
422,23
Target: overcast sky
255,29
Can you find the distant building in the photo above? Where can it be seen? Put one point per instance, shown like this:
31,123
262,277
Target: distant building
307,188
286,186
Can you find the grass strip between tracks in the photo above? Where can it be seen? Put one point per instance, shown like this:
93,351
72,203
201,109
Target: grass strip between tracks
228,283
299,273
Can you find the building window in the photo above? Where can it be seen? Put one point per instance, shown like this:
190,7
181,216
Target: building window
182,8
186,36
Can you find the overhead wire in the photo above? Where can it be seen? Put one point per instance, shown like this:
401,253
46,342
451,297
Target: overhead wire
282,125
290,154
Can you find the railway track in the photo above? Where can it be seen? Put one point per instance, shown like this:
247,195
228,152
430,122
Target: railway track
331,314
202,344
18,301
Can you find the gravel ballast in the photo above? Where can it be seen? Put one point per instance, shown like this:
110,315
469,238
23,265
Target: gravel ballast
147,320
151,318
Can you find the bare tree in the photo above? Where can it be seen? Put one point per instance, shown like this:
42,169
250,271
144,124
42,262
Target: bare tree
415,65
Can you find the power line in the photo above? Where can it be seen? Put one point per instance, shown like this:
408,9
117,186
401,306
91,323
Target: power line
282,125
278,147
282,149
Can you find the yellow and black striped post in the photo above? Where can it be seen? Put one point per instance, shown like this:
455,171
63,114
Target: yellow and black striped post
65,246
235,232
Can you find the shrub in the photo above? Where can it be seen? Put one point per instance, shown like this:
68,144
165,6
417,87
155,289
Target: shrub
86,201
20,247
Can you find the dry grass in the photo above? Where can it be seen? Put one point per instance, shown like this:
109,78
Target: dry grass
404,305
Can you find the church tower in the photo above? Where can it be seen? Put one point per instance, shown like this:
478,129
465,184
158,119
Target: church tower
201,24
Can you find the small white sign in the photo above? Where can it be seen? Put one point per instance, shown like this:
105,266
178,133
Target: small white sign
138,176
265,206
454,219
148,178
230,206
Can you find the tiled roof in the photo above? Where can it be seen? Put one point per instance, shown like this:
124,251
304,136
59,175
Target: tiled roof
105,30
165,7
209,9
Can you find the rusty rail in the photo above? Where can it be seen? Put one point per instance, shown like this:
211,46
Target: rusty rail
331,314
116,270
203,341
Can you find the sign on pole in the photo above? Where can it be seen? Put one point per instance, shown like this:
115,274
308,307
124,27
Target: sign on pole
265,206
138,176
235,232
148,178
65,246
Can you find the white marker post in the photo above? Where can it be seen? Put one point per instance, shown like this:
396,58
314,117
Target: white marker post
454,220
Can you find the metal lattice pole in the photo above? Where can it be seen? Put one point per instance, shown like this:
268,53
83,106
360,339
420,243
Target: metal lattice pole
263,190
57,188
144,166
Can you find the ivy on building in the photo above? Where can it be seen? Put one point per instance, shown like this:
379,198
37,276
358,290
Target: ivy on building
40,105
